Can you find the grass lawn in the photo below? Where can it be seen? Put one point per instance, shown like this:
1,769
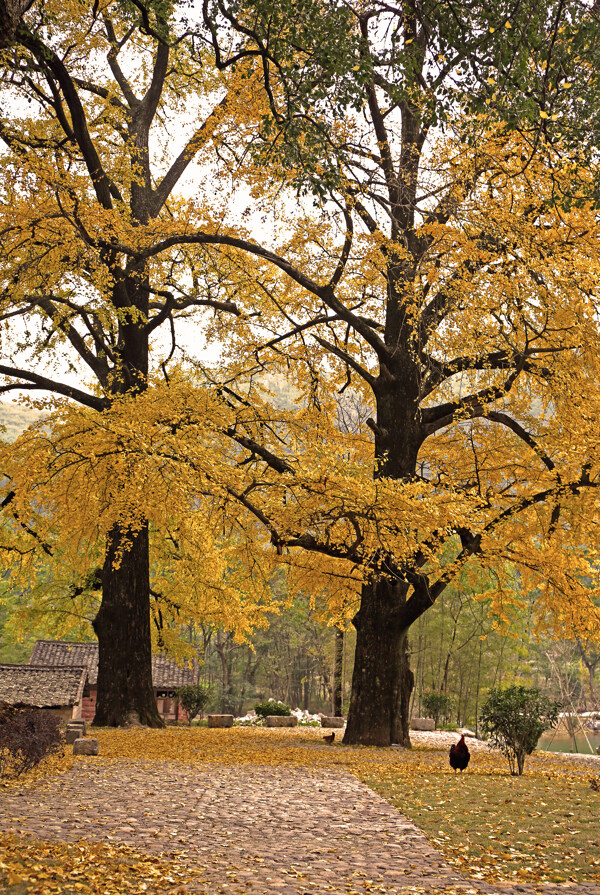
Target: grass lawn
539,827
542,826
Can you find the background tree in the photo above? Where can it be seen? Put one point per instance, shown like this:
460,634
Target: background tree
590,656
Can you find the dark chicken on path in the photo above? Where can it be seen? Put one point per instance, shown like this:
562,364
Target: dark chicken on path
329,738
459,755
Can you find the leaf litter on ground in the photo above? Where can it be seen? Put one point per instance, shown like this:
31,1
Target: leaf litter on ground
541,827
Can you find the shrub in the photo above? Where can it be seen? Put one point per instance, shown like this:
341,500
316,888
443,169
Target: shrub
26,737
7,711
515,718
437,705
272,708
194,698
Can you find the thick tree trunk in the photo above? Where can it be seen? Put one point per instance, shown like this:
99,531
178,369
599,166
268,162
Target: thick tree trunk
382,681
122,625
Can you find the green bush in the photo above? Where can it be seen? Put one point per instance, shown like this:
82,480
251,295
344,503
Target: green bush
514,719
26,737
271,707
193,698
437,705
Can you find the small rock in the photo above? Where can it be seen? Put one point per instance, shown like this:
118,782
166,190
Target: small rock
332,721
86,746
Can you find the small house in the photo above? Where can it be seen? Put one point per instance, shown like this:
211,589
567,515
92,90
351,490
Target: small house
59,688
167,676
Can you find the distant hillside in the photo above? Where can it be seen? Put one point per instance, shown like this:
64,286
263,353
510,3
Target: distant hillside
14,418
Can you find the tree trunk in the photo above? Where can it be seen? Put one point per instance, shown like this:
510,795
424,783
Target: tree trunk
382,681
338,665
122,625
221,646
591,675
306,690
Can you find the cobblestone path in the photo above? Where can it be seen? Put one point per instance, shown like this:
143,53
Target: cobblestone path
252,829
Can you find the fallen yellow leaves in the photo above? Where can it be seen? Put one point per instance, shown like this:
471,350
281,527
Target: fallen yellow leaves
88,868
519,831
489,825
54,764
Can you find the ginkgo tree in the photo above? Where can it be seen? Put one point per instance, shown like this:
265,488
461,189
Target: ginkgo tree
449,283
438,276
504,447
106,111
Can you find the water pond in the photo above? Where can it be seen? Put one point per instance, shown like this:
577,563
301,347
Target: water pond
560,742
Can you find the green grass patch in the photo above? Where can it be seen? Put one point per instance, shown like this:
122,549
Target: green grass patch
542,826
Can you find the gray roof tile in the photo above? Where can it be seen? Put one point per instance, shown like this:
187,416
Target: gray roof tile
166,674
42,686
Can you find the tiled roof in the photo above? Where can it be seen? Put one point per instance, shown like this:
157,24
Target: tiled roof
59,652
166,674
42,686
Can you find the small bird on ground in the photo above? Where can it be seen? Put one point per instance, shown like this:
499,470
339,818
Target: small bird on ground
329,738
459,755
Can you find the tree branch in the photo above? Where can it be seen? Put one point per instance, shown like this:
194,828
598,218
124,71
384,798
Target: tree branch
34,380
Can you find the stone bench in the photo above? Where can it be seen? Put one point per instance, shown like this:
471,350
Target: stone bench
220,720
281,721
332,721
422,724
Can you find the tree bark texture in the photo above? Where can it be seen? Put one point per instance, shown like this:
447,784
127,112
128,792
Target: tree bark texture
382,681
122,625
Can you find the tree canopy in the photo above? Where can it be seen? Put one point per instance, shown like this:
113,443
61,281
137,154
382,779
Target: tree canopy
418,279
94,151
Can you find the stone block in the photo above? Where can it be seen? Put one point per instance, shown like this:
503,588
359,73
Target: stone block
281,721
72,734
77,724
86,746
422,724
332,721
220,720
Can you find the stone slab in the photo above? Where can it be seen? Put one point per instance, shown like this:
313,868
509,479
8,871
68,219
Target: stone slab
465,732
86,746
332,721
281,721
422,724
77,724
220,720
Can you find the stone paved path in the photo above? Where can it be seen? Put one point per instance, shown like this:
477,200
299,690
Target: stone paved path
254,830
